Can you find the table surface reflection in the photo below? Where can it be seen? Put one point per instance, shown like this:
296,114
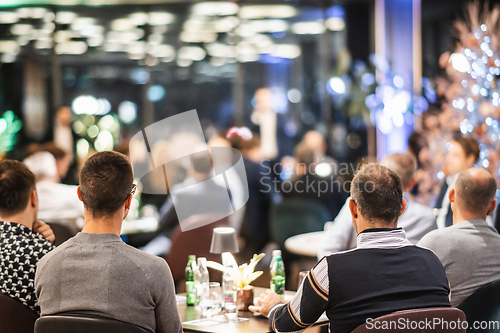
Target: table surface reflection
255,324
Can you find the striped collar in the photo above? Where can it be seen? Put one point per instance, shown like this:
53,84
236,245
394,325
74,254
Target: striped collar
382,239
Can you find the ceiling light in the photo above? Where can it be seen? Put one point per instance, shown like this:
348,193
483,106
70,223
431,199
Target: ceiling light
213,8
248,57
288,51
221,50
92,30
43,44
38,13
197,37
184,62
82,23
24,12
114,47
160,18
122,24
335,24
264,11
245,30
269,25
21,29
192,52
8,58
138,47
8,46
155,39
48,27
139,18
95,41
49,17
71,47
226,24
246,48
8,17
164,51
308,28
63,36
197,26
23,40
65,17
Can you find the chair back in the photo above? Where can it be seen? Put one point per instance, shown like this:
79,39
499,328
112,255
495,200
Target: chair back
81,324
15,316
195,241
450,316
483,306
62,231
296,216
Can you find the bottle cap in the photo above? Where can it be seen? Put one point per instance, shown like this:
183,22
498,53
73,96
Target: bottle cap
276,253
192,257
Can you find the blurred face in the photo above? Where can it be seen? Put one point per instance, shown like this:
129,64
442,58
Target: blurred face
456,160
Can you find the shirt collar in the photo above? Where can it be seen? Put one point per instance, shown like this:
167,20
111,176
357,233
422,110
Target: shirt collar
452,179
382,238
14,228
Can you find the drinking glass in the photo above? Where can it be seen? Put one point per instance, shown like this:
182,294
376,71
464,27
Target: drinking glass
211,304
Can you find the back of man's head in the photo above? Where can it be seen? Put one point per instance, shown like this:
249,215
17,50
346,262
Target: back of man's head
404,165
474,191
43,165
106,180
16,184
304,154
378,193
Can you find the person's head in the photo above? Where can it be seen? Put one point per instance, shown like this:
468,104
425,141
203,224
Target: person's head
63,116
315,141
463,153
43,166
404,165
304,157
201,165
17,191
376,198
106,181
473,195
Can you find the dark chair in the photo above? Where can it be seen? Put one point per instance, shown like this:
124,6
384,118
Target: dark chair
15,317
62,231
82,324
196,241
296,216
448,315
483,306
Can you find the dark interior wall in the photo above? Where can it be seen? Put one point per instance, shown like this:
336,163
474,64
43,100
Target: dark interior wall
358,22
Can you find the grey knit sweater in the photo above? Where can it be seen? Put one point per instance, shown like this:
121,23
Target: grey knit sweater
99,274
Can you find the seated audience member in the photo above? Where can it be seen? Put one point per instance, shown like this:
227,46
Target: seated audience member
306,184
469,249
57,202
23,239
95,272
463,153
416,221
63,159
186,196
384,274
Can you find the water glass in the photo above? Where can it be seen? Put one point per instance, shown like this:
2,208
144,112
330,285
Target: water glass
211,303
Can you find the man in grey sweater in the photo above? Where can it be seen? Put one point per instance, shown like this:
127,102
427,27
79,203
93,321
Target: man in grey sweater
469,248
95,272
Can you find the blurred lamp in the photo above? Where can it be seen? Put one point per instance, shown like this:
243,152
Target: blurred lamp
224,240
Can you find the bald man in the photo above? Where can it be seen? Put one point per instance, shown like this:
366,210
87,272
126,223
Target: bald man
469,248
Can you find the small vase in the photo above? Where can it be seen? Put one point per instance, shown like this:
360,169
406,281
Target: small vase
244,297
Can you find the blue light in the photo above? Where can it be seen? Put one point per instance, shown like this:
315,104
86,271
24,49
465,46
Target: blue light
335,11
156,93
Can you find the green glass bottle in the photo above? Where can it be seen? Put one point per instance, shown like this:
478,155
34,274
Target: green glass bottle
190,269
278,274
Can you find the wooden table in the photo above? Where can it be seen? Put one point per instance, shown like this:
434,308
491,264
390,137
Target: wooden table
306,244
255,324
